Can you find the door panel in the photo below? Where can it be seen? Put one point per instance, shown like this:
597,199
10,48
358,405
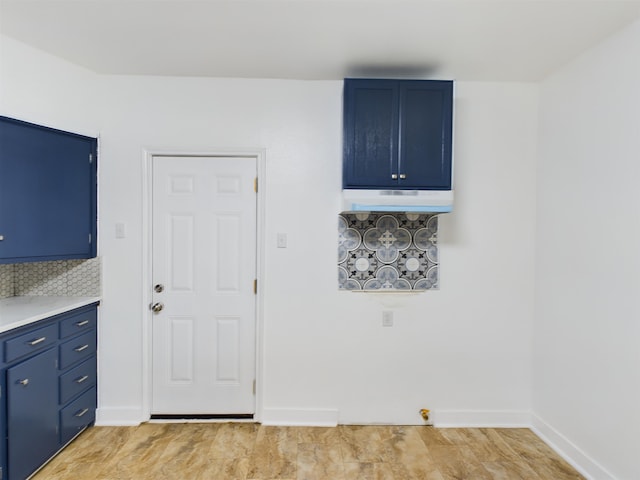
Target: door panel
182,349
204,254
181,270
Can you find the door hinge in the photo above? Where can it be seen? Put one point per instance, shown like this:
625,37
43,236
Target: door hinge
255,285
91,158
254,386
255,184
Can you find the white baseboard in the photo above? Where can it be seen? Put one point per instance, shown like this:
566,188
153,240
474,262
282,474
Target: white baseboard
441,418
578,459
482,418
119,417
300,417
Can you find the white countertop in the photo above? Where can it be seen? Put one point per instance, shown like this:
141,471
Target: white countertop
18,311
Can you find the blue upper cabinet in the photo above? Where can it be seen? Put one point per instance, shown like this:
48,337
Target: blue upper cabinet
47,193
397,134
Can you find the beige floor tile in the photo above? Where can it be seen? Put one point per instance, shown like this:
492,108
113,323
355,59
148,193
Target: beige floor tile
275,453
246,451
368,471
319,462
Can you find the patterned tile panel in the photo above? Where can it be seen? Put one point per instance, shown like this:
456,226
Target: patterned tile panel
387,251
63,277
6,281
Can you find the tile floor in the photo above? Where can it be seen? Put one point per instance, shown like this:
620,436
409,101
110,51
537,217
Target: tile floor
247,451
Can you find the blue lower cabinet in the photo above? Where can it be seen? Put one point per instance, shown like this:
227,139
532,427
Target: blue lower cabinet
32,413
30,342
77,349
77,380
48,372
77,415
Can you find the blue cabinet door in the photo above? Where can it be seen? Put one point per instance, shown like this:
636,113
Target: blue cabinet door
47,193
425,135
32,413
370,133
397,134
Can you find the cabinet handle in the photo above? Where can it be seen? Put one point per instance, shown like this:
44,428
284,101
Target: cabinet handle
82,323
82,379
82,412
24,382
37,341
394,176
83,347
402,175
1,237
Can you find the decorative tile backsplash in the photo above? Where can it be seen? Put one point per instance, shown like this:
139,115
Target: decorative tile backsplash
63,277
387,251
6,281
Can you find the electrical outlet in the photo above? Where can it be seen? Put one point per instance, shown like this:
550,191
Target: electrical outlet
387,318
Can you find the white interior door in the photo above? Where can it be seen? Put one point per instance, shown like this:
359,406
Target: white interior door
204,259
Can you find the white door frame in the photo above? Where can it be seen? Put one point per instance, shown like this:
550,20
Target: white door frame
147,316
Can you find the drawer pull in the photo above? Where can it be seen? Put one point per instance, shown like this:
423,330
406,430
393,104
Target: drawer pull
82,379
82,412
82,323
37,341
83,347
24,382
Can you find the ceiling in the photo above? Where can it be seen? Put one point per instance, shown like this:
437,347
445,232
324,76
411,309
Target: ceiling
481,40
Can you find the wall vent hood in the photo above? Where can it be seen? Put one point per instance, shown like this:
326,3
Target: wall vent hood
416,201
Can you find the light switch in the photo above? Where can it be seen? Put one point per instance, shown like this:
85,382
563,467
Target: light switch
120,230
282,240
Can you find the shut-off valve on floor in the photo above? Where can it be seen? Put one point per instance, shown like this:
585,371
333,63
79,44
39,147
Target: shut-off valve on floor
425,413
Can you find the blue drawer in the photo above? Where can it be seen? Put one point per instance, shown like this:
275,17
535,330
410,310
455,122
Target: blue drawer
77,415
77,380
78,323
77,349
30,342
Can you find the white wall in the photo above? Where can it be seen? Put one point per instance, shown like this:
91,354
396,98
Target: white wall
587,329
463,351
43,89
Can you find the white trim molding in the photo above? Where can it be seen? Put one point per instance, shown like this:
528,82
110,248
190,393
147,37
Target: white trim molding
119,417
564,447
482,418
307,417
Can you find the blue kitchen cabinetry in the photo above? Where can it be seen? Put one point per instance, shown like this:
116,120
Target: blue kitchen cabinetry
397,134
48,376
47,193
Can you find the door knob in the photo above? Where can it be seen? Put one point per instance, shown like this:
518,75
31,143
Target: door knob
159,288
157,307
